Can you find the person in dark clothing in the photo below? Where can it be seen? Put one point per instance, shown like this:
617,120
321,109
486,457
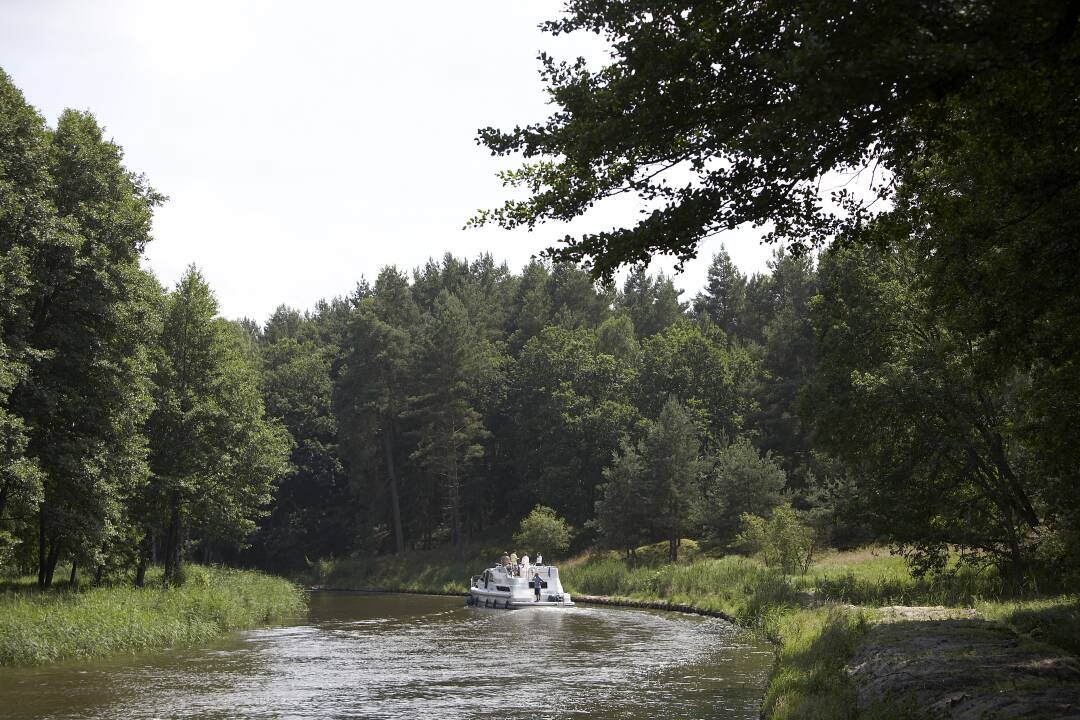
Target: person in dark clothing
537,583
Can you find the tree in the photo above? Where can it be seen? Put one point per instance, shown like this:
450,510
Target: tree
740,481
724,298
309,517
568,406
788,364
214,455
671,454
374,389
758,104
693,362
83,321
652,303
909,398
783,539
452,365
542,530
615,337
24,218
624,516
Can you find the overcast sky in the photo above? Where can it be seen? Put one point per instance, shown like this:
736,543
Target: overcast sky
306,145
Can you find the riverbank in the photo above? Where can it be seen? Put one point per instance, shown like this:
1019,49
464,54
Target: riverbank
39,627
820,621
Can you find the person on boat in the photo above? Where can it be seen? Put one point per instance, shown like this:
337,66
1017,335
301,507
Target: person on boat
504,560
537,583
539,559
524,566
514,562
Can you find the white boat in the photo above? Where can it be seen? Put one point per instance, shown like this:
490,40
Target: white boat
499,587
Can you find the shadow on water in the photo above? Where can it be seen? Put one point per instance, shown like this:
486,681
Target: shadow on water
406,656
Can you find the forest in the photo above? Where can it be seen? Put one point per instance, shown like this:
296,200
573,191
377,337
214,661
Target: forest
904,376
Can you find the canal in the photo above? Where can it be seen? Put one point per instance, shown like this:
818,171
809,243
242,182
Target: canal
413,656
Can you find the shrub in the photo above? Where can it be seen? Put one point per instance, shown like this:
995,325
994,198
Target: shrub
543,530
783,540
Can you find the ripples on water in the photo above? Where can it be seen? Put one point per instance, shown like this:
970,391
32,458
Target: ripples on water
407,656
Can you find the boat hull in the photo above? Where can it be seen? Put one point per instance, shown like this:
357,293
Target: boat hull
505,602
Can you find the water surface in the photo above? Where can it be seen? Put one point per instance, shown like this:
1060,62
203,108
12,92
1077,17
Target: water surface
412,656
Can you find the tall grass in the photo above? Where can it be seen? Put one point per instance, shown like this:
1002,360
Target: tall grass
1054,620
41,627
809,679
740,587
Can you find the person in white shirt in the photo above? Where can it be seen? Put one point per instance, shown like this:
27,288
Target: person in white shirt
524,566
539,559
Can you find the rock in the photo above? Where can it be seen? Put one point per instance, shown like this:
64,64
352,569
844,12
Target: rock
947,663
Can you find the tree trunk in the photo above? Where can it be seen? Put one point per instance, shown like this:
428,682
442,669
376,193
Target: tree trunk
42,513
1016,556
395,503
3,497
673,538
172,542
146,548
51,560
73,581
455,510
99,574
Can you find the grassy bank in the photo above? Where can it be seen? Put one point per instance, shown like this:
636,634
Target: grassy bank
45,626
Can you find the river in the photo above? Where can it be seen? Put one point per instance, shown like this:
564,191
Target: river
413,656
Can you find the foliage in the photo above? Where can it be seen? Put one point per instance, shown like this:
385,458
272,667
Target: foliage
569,405
906,398
740,481
623,511
757,105
723,300
543,531
77,324
783,539
308,517
213,453
694,364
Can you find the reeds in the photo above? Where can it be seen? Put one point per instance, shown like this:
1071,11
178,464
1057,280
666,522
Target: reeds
41,627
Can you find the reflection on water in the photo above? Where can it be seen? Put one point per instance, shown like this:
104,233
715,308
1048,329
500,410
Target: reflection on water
408,656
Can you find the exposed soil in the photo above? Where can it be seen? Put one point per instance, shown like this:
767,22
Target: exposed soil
946,663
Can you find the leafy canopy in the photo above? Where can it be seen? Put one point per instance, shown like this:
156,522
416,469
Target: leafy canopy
725,113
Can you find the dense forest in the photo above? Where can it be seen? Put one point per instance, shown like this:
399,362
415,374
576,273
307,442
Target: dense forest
912,381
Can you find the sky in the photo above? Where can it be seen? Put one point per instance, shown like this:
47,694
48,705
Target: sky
304,146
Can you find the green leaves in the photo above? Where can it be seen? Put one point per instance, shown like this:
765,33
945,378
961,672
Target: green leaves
542,531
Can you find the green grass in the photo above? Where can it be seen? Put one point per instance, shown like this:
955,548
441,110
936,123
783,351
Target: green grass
742,588
877,579
46,626
809,679
1054,621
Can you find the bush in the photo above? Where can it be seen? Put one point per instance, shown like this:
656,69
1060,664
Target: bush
543,530
783,540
